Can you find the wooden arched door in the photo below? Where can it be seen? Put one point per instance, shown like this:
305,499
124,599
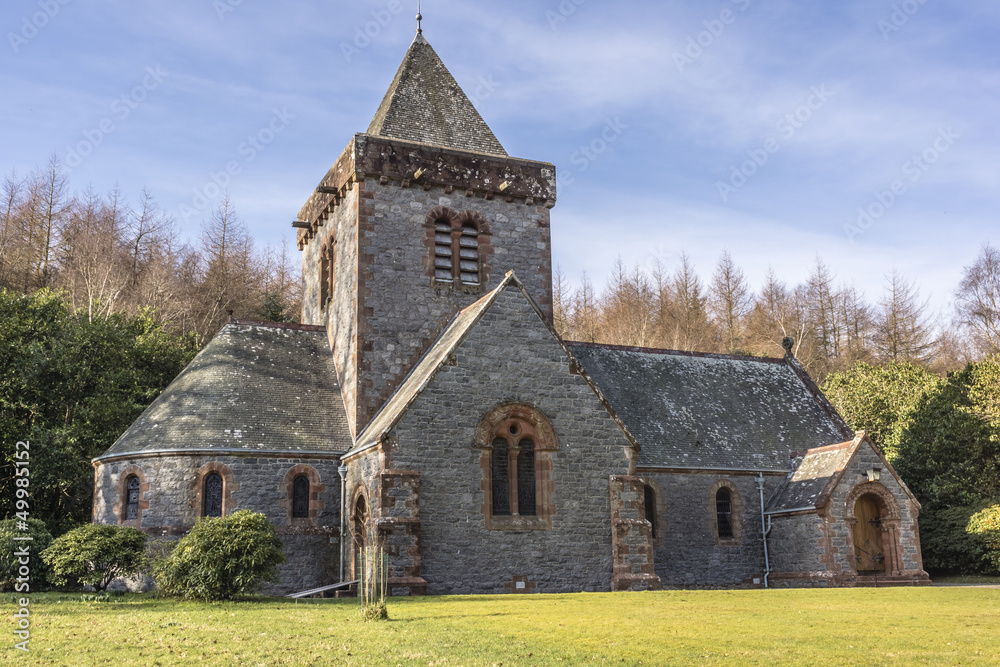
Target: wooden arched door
868,550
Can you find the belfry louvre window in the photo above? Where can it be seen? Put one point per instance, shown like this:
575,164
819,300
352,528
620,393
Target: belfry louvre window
300,497
724,513
213,495
457,251
132,498
468,248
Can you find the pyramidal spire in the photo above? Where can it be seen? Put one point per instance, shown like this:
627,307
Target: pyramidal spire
425,104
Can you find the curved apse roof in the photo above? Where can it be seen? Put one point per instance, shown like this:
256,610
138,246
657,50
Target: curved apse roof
255,387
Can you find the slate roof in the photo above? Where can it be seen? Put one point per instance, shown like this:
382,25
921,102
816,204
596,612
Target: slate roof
426,105
254,387
815,472
689,410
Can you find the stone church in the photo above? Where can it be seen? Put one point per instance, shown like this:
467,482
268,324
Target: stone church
428,394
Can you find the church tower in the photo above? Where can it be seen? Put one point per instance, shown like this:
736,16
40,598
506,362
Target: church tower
418,218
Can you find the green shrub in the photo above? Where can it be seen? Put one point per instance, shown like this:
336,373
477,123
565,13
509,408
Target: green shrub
984,526
10,564
221,559
96,555
946,546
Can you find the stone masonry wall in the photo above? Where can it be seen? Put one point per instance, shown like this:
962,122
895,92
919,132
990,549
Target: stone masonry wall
688,555
401,309
798,549
341,320
909,538
511,356
312,551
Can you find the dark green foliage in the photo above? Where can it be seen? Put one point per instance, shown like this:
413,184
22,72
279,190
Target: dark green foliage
881,400
9,562
984,528
950,451
274,308
943,437
96,555
221,559
948,548
70,386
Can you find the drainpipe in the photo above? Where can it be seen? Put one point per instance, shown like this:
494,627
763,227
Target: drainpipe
765,528
343,512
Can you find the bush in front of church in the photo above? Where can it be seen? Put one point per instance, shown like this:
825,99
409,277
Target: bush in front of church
984,526
221,559
95,555
11,559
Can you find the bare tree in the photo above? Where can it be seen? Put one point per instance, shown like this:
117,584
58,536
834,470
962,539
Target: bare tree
691,329
730,301
560,302
628,308
977,300
823,312
903,331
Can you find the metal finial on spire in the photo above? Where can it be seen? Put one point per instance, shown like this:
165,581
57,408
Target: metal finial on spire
420,18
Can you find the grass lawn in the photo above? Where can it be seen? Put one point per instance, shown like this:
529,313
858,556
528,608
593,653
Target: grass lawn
936,626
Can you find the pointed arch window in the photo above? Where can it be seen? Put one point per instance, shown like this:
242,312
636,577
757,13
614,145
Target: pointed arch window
213,495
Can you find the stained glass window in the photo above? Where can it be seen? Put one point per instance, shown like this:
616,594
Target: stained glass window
300,497
132,500
213,495
501,478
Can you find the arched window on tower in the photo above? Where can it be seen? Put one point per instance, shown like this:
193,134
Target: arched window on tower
300,497
468,249
724,513
213,495
327,273
132,498
443,255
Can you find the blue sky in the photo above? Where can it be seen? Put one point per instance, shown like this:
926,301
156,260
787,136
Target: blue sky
757,126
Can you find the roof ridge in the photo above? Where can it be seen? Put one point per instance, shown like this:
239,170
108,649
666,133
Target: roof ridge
678,353
294,326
